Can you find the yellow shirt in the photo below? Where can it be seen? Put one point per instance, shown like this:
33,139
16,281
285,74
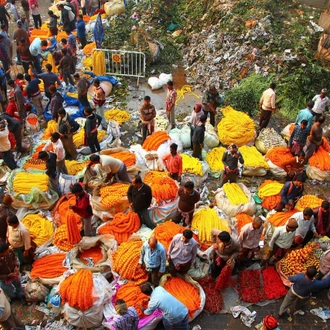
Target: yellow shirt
19,237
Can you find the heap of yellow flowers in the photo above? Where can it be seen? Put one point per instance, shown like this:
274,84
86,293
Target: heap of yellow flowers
308,201
24,182
50,129
214,159
235,194
269,188
78,138
74,167
117,115
204,220
98,60
112,195
253,158
191,165
237,127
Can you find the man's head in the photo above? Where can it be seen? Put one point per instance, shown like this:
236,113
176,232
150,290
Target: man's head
257,223
88,111
137,181
311,272
95,159
299,180
233,148
301,155
224,237
64,51
303,124
43,155
50,13
152,241
52,89
76,76
19,24
68,31
96,82
212,89
121,307
197,107
60,7
146,288
269,323
12,221
325,206
7,200
3,247
11,83
49,67
272,86
187,235
77,189
308,213
188,187
291,225
44,44
20,76
61,112
203,119
146,100
1,38
320,120
2,125
27,77
173,148
64,41
310,104
170,84
23,41
55,137
323,92
80,17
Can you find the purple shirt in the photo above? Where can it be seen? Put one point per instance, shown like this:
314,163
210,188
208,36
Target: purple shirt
180,252
129,321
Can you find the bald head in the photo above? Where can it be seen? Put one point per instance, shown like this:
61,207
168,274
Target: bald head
257,222
152,243
292,224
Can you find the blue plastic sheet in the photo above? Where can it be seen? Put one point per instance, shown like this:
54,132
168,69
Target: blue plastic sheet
110,79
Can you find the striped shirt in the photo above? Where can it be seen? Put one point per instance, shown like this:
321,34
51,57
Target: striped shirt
129,321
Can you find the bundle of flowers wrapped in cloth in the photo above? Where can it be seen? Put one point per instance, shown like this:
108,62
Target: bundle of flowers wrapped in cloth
120,116
193,170
235,198
153,142
79,138
254,163
204,220
269,193
268,139
74,167
275,158
214,159
187,291
280,218
308,201
237,127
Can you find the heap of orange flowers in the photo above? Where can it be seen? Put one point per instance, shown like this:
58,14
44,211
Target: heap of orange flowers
153,142
61,238
32,120
242,220
74,236
49,266
77,289
184,292
34,163
39,148
280,218
308,201
163,187
279,155
112,195
127,157
320,159
131,293
126,261
95,253
122,226
269,202
65,212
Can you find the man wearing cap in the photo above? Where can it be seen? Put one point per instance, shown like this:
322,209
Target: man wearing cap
267,106
5,212
173,163
211,100
230,161
321,102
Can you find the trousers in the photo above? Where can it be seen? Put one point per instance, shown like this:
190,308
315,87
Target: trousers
292,300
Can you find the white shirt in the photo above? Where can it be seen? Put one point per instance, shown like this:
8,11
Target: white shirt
282,238
303,225
4,140
320,104
110,164
35,47
58,149
267,100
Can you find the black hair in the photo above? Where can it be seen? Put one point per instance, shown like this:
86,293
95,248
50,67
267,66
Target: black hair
224,236
170,82
13,220
76,188
42,155
61,111
272,85
311,272
147,98
137,179
27,77
94,158
189,185
187,233
3,246
304,122
146,288
49,67
55,135
325,205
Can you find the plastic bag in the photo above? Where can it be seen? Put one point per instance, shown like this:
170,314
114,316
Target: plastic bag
275,170
165,77
155,83
115,7
246,316
33,128
35,291
65,182
317,174
163,212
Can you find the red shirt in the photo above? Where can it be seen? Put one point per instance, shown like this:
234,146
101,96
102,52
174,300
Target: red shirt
83,207
173,163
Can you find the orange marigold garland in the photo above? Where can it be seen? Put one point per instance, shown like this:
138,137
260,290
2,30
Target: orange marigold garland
74,236
77,289
279,155
127,157
320,159
95,253
270,202
111,196
49,266
61,238
280,218
37,164
153,141
242,220
64,212
308,201
122,226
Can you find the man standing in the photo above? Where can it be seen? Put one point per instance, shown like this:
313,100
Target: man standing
299,293
49,78
173,163
112,167
23,51
198,138
175,314
65,16
81,30
4,56
139,196
35,13
188,197
321,102
211,100
56,102
99,100
64,67
5,212
147,115
14,127
26,9
93,121
230,162
182,253
33,93
306,114
267,106
3,15
315,139
298,138
52,25
305,221
18,99
5,147
72,42
50,159
322,216
249,238
153,259
35,50
170,103
58,149
82,85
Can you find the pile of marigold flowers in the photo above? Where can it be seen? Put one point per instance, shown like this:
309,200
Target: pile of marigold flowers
95,253
24,182
153,142
280,218
50,266
61,238
111,196
278,155
127,157
73,231
37,164
242,220
64,212
308,201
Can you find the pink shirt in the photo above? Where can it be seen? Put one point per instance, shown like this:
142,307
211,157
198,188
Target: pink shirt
250,237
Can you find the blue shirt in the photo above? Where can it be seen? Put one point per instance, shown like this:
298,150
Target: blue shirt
305,114
303,287
81,29
49,78
32,88
153,258
173,310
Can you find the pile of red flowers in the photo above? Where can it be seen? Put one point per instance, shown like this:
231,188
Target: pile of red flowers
273,285
224,279
249,286
214,301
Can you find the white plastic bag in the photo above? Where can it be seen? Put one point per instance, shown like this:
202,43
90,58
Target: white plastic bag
65,182
155,83
164,78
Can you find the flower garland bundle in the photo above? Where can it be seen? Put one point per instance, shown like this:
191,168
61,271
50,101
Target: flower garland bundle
61,238
308,201
122,226
249,286
51,128
214,300
127,157
24,182
112,195
73,231
78,138
235,194
49,266
214,159
236,127
191,165
34,163
224,279
95,253
153,141
280,218
253,158
74,167
278,155
41,229
77,289
132,295
39,148
184,292
320,159
120,116
64,212
162,186
273,285
271,202
269,188
204,220
126,261
32,120
242,220
88,49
